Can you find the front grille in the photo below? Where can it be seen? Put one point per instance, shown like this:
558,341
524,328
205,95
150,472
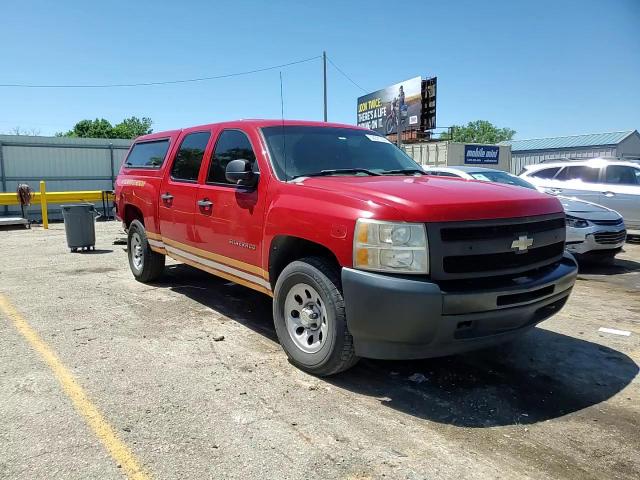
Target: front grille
610,238
495,248
492,231
506,260
611,223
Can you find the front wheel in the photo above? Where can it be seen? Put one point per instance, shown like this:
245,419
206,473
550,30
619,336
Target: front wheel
146,265
310,320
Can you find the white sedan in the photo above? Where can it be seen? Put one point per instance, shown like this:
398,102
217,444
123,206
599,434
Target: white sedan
593,231
609,182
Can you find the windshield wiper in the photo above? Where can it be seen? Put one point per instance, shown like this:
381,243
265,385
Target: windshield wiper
408,171
338,171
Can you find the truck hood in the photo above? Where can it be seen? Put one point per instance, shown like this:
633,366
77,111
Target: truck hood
587,210
429,198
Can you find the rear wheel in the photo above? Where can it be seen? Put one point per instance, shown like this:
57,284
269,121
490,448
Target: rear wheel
310,320
146,265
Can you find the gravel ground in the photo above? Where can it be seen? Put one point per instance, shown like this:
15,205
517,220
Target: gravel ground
562,402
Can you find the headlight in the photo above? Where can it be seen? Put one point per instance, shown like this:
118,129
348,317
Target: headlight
390,247
576,222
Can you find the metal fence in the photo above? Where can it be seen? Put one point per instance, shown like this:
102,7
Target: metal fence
66,164
451,154
428,154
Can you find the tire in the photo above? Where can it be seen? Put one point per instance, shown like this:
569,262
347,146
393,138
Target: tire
146,265
323,348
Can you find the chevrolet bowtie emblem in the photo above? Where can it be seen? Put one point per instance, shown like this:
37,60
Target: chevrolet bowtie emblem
522,243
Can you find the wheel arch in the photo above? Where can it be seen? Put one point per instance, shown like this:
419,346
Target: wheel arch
285,249
131,213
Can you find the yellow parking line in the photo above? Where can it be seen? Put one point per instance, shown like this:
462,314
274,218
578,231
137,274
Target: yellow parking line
105,432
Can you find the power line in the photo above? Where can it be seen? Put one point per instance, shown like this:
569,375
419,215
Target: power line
166,82
345,75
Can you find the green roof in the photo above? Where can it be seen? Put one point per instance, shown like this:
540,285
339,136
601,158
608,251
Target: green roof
572,141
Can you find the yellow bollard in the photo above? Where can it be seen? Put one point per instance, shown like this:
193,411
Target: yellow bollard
43,204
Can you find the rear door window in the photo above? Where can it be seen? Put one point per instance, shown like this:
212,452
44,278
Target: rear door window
545,172
579,172
623,175
186,165
148,154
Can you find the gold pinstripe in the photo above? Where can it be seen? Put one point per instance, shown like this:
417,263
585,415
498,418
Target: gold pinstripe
231,262
219,273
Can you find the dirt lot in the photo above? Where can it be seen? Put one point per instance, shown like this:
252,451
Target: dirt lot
562,402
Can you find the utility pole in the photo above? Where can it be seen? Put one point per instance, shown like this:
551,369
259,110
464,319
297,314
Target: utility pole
324,71
399,128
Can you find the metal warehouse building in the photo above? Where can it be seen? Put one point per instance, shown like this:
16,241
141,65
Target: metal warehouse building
64,163
536,150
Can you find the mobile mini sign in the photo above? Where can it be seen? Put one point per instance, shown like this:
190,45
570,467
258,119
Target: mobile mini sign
481,154
412,103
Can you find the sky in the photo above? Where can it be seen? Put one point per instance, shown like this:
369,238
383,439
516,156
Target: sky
543,67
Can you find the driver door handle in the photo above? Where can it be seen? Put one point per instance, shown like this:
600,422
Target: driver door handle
205,203
166,197
554,191
609,194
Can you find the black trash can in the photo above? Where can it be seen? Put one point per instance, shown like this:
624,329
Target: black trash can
79,225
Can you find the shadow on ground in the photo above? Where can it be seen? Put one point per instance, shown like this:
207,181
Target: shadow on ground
95,251
9,228
618,266
541,376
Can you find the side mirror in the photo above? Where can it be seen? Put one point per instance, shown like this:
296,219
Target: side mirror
239,172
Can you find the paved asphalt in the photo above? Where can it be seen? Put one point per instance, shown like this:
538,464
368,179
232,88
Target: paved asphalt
104,377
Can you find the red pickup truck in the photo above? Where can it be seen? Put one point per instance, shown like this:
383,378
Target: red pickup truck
363,254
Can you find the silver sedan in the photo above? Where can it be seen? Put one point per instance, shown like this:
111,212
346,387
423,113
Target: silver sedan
593,231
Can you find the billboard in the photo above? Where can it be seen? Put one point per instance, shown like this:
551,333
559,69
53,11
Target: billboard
481,154
412,102
429,91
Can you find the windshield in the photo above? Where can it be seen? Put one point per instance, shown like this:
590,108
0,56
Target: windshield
501,177
306,150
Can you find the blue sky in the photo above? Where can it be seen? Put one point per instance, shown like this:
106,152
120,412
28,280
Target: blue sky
543,68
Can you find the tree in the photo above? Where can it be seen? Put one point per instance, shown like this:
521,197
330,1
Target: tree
132,127
29,132
100,128
480,131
